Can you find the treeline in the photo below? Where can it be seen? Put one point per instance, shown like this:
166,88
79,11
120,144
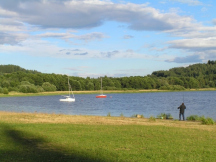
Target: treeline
195,71
14,68
15,78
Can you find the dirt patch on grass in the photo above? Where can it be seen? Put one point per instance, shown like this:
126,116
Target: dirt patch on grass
13,117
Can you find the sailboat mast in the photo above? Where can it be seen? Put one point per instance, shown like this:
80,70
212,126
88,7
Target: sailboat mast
68,86
101,87
183,97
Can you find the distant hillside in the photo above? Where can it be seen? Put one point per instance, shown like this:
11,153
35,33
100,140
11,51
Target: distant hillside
195,71
14,68
15,78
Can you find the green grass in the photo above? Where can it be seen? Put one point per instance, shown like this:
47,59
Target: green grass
126,143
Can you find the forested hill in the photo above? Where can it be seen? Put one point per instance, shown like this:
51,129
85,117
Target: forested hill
195,71
14,68
15,78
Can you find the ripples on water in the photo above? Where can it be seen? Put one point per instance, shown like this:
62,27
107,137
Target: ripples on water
147,104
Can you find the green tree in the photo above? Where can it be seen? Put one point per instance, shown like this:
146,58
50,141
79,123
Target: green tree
75,85
5,83
27,87
89,86
48,87
117,84
193,83
97,84
175,81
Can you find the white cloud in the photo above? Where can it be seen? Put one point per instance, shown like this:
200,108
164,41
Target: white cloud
66,36
88,14
195,44
202,49
128,36
189,2
12,39
196,32
214,21
187,59
6,13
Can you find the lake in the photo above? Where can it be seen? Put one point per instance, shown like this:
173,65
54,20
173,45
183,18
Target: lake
146,104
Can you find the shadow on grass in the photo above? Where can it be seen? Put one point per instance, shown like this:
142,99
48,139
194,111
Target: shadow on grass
29,148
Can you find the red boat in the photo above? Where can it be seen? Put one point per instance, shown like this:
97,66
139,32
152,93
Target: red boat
101,96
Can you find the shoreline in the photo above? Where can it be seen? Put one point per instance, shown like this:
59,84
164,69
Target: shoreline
44,118
17,94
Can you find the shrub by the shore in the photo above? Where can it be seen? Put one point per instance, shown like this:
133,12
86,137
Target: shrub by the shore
206,121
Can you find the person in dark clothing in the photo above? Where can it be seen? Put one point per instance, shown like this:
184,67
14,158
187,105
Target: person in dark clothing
182,107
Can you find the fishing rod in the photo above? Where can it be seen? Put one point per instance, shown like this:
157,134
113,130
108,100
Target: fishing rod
183,97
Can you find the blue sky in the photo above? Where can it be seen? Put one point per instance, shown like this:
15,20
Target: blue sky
116,38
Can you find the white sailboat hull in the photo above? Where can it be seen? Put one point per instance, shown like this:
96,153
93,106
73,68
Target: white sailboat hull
67,99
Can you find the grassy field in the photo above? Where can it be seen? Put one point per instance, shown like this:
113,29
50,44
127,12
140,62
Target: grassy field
55,137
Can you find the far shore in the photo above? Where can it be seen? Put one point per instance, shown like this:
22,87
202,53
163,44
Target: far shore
10,94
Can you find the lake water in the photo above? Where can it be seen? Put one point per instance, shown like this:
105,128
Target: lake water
147,104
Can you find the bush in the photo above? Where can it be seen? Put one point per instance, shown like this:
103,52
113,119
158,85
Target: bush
5,91
13,89
208,121
152,118
40,89
48,87
169,116
161,116
28,89
164,116
195,118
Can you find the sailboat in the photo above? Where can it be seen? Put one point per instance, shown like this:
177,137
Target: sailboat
101,95
68,98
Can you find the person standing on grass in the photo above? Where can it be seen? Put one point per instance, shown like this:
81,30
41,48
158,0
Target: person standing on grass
182,107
